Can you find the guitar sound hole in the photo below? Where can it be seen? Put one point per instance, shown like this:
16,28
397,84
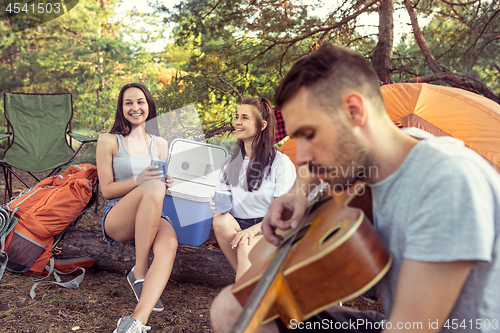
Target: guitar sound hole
329,235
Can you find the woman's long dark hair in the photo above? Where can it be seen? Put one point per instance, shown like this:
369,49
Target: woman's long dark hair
263,151
122,125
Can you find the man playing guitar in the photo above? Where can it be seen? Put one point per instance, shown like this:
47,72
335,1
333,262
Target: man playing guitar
436,203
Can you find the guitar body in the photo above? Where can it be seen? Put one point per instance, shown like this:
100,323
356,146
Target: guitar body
338,257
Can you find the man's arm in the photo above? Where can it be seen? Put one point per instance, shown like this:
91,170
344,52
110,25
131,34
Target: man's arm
426,292
288,210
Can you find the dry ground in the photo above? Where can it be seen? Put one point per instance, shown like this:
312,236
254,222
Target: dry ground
101,299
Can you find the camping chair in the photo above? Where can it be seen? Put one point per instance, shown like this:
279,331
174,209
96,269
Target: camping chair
38,141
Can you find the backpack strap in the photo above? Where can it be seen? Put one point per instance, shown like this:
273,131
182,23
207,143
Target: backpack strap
7,223
73,284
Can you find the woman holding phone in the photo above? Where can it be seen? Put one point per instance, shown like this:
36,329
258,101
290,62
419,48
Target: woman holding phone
134,191
255,174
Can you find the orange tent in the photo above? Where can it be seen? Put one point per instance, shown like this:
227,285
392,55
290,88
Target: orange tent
288,148
439,110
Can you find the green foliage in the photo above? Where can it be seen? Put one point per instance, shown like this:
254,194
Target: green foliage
241,45
226,50
84,53
463,39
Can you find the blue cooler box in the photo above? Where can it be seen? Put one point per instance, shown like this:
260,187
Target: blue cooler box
195,167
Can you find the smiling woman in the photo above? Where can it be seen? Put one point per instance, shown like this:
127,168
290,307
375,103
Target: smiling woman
135,107
255,174
135,96
134,191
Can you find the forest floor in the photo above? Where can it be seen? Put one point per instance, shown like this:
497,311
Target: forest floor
103,298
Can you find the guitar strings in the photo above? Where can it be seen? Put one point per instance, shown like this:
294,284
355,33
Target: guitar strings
272,269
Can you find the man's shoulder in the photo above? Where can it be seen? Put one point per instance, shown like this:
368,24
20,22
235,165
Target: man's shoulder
447,162
445,149
452,167
449,152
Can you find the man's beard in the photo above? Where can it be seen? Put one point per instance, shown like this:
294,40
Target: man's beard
353,160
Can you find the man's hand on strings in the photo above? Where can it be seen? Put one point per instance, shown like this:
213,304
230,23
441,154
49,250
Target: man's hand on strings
284,213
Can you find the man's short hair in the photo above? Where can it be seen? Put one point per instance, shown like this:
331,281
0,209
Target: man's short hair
328,73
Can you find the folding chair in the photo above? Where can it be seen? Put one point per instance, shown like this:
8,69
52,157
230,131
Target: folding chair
38,141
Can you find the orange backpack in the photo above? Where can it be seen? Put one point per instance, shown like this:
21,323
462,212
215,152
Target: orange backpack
44,212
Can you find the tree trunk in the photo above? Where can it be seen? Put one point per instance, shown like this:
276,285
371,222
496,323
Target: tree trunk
419,37
192,264
382,56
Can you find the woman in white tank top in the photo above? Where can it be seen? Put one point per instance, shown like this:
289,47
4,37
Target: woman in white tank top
134,193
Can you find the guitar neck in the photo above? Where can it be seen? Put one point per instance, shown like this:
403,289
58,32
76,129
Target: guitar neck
257,306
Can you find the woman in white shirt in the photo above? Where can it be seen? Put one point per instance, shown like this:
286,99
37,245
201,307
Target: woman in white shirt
256,173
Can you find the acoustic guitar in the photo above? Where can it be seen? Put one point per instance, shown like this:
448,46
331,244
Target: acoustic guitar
334,256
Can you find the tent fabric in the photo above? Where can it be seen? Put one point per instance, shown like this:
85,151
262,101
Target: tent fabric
289,149
440,110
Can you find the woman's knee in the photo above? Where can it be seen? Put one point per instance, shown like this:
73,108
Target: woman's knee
221,222
154,194
165,247
170,243
166,239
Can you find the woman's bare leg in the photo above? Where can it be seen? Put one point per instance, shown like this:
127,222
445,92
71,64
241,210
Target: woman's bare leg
242,256
137,216
225,228
164,251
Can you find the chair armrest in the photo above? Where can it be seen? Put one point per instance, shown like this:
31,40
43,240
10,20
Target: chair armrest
81,138
5,135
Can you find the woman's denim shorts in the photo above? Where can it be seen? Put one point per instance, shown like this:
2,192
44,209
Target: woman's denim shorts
107,208
247,223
